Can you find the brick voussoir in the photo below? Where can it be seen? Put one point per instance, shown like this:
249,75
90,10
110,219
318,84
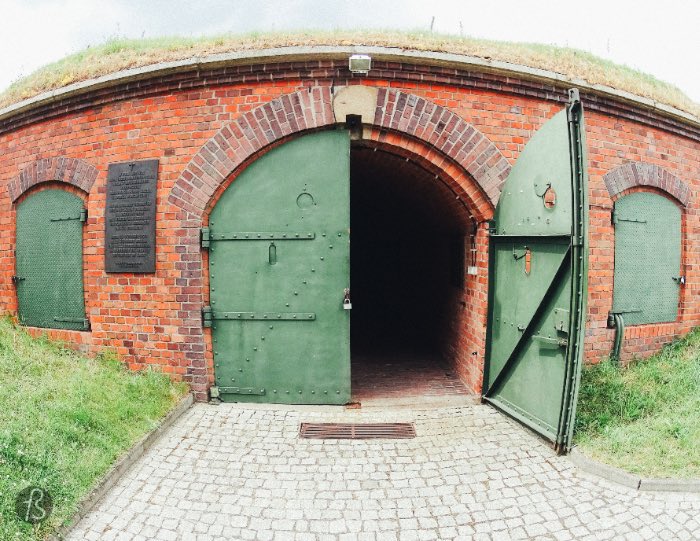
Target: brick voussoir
636,174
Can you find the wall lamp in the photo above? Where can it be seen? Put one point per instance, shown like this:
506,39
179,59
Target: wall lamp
360,64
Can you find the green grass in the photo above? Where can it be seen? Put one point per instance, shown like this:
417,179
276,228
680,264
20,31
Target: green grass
645,418
64,420
118,54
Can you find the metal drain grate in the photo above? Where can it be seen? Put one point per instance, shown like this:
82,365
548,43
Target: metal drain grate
357,431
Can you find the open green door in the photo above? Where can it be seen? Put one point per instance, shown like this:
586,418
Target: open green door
538,271
279,264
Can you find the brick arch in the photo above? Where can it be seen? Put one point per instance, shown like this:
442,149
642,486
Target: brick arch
634,174
73,171
474,165
450,135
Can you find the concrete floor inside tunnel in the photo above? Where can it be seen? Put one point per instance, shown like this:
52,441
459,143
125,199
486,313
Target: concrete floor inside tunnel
406,279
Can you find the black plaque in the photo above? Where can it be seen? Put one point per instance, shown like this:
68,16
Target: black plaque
130,217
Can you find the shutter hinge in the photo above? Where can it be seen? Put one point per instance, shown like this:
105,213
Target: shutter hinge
206,316
83,215
84,322
204,237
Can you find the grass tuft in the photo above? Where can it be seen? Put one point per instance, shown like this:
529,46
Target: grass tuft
118,54
645,417
65,419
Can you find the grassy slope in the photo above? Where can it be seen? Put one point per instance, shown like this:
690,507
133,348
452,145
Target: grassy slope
64,419
119,54
645,418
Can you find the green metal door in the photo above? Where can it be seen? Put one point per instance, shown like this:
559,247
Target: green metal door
279,264
538,266
49,260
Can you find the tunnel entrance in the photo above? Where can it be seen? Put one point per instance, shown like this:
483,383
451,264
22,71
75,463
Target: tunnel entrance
410,245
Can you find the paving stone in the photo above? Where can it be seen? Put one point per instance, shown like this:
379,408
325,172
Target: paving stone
241,472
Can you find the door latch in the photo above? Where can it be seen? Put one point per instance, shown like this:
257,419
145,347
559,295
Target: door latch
347,304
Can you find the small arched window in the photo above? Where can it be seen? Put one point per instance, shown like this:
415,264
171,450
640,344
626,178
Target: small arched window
647,258
49,260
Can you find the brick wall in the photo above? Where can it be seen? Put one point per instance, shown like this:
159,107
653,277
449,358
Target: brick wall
467,130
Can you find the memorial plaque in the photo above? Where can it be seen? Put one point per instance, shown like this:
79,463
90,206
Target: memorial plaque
130,217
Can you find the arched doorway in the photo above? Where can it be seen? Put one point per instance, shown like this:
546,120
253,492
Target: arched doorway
412,246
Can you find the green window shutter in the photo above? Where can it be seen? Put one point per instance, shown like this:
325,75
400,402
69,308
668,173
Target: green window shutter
49,260
647,258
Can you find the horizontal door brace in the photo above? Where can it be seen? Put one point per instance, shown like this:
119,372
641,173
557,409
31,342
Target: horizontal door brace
263,235
262,316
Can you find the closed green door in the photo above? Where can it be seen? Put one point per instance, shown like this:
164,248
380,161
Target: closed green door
537,290
279,264
49,261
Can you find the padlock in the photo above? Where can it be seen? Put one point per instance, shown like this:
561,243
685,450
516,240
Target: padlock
347,304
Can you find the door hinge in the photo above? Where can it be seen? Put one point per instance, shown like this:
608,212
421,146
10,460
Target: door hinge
84,322
206,316
204,237
241,390
491,226
83,215
17,279
574,107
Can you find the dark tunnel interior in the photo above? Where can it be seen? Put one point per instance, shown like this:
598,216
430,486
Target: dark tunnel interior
407,255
